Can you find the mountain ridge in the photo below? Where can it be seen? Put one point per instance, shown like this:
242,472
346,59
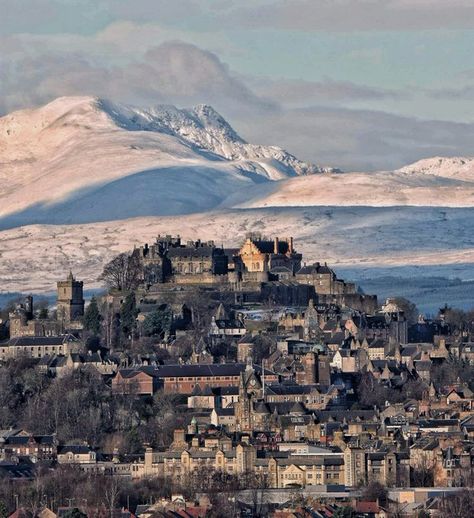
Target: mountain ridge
78,167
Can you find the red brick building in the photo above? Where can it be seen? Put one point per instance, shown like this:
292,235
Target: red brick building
182,379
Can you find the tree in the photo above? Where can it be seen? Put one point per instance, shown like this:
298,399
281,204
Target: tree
261,348
128,314
74,513
456,318
460,505
158,322
375,491
409,308
344,512
93,318
43,313
123,273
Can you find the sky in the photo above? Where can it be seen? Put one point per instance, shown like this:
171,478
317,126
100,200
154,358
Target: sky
355,84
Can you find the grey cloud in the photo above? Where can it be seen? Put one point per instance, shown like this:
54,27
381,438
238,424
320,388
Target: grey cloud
183,74
301,92
174,72
464,93
358,15
359,139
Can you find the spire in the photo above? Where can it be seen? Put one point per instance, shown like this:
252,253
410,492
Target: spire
221,313
70,277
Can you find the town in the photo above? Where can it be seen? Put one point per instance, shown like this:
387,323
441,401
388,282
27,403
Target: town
212,381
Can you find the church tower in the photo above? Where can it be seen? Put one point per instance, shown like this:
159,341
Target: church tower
70,303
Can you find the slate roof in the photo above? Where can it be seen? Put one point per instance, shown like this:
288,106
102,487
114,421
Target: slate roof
30,341
16,471
282,389
24,439
74,448
303,460
268,247
229,324
185,251
316,268
377,344
224,411
211,369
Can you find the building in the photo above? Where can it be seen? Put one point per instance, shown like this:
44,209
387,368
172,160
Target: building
258,257
182,379
70,303
76,454
323,279
169,259
23,322
20,443
39,346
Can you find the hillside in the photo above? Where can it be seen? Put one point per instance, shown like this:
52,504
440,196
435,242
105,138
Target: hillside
434,182
79,159
82,179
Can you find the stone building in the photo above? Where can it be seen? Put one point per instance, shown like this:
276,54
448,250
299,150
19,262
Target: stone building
23,323
218,452
38,346
185,457
258,257
324,280
169,259
70,302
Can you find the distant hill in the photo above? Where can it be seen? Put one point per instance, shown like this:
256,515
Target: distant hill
82,179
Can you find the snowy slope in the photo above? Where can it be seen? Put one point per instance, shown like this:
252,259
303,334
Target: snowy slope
34,257
461,168
437,182
82,179
81,159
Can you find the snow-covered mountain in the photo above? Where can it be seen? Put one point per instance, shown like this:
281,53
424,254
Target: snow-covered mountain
434,182
461,168
82,179
86,159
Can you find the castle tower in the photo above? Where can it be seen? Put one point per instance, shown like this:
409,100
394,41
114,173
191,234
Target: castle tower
70,301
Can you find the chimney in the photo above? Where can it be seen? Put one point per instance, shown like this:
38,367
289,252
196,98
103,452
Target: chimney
275,246
291,245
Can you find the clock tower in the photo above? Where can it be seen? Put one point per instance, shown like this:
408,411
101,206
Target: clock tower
250,391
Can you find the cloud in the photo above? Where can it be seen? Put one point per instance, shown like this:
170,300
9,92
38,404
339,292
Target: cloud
358,15
173,72
266,112
455,94
359,139
299,92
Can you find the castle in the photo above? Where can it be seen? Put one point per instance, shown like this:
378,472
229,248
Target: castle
70,310
261,269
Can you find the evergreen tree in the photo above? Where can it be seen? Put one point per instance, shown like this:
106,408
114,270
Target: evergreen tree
128,314
43,314
93,318
158,322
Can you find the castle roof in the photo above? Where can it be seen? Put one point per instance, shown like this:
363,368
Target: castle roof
268,247
315,268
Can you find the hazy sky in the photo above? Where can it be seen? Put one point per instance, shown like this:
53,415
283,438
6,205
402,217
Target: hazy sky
359,84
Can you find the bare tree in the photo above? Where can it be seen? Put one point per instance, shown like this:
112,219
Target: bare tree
460,505
112,492
123,273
